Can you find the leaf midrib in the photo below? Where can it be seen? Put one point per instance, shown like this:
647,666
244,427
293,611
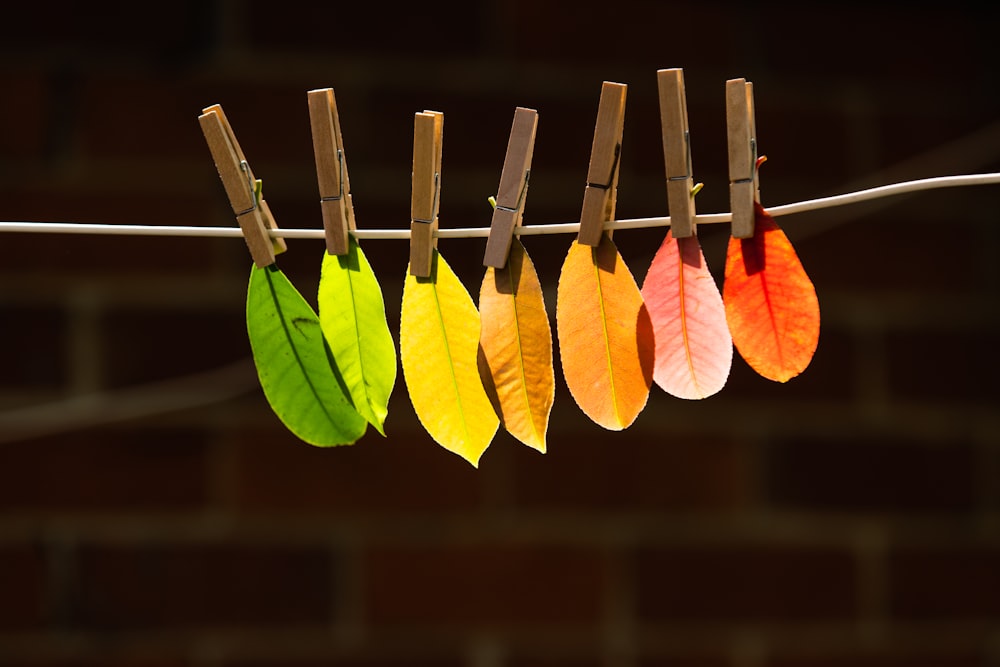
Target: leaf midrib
683,309
451,364
604,330
295,350
520,352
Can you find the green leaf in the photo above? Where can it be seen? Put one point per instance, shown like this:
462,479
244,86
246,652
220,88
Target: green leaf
352,314
294,363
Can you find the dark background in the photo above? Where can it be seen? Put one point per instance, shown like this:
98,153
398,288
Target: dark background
154,512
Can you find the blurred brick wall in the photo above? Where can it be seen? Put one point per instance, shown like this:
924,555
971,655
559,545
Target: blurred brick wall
849,518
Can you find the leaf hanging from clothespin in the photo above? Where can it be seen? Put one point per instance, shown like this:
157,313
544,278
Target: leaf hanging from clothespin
694,350
352,313
605,334
771,304
439,350
439,323
351,307
516,340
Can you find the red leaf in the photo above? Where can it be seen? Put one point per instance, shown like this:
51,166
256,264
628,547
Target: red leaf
694,350
771,304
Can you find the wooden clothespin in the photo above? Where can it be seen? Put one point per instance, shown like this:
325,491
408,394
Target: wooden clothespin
251,210
513,187
600,196
331,170
677,151
744,188
426,190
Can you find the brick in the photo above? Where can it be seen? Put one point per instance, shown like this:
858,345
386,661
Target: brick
29,116
476,129
685,661
112,659
829,376
816,154
945,583
547,32
882,660
53,203
39,333
871,474
131,116
102,255
889,251
160,120
444,29
111,26
405,472
745,584
499,584
163,586
143,345
367,661
107,469
881,36
950,367
70,255
23,582
675,472
966,115
550,661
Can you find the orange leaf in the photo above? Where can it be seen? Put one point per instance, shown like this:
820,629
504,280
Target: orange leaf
694,350
771,304
515,348
605,335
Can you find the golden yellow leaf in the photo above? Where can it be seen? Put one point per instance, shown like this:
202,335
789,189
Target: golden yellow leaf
516,348
439,350
605,335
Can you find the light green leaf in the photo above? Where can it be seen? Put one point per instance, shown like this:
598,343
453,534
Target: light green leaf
352,314
294,364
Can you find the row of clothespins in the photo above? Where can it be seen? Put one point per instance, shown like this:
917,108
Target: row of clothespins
255,218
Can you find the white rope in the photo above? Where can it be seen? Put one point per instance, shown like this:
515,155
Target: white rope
471,232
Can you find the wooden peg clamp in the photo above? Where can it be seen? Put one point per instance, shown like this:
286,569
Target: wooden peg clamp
513,187
742,132
425,190
331,170
251,211
600,195
677,151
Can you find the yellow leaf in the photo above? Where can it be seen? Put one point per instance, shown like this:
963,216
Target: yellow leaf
605,335
439,349
516,348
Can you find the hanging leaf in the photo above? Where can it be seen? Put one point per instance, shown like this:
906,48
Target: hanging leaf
352,314
694,350
605,335
439,350
771,304
295,365
516,348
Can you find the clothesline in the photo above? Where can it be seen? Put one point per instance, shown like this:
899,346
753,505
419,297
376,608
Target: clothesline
472,232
